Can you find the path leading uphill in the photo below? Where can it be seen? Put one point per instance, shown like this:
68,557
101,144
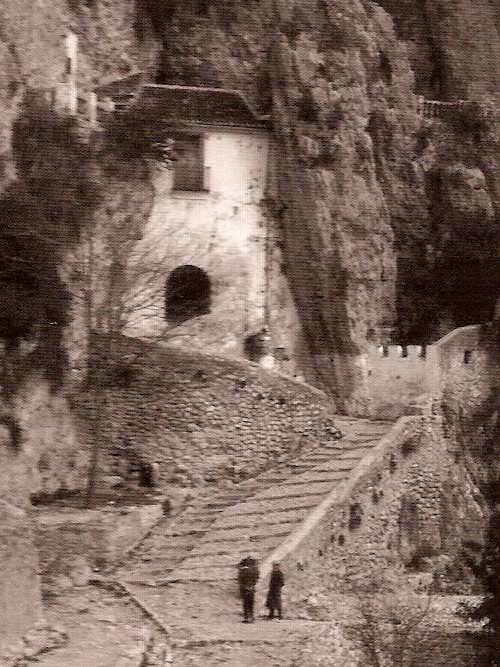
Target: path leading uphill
184,572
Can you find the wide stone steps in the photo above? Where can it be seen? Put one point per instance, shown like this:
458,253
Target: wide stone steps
208,538
261,523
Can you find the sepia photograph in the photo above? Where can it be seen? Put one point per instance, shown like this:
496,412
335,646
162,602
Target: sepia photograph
250,333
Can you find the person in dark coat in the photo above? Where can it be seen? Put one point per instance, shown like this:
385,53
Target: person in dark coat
276,583
248,575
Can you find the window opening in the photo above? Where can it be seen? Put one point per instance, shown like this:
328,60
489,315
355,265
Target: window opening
189,169
467,356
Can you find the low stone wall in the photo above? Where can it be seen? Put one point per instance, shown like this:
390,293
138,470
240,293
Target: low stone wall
20,602
406,501
425,648
441,649
100,536
202,419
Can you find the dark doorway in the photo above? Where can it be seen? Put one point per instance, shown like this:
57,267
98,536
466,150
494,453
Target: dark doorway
255,345
187,293
146,474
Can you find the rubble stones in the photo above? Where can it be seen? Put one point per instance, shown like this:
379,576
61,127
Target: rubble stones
196,436
42,638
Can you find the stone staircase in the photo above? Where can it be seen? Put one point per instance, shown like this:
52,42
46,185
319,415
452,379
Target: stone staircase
207,539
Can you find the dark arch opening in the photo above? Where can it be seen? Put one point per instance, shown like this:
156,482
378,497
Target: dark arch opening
188,293
254,345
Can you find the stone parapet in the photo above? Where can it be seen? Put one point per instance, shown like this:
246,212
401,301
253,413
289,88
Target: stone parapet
20,601
398,505
395,378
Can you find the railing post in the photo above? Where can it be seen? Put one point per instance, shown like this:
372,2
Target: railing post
420,105
71,67
92,109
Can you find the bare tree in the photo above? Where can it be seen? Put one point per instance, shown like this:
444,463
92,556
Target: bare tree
389,623
121,269
117,281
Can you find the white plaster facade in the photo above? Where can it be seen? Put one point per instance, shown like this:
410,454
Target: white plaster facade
221,230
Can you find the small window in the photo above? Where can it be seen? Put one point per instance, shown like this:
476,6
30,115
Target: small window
385,68
355,516
467,356
254,345
189,169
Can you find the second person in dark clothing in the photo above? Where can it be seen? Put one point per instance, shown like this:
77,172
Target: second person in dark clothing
276,583
248,574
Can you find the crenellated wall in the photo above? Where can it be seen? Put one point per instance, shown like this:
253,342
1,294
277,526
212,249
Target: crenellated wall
394,378
460,371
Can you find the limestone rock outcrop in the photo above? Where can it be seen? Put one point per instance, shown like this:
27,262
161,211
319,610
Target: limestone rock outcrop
40,448
454,46
353,189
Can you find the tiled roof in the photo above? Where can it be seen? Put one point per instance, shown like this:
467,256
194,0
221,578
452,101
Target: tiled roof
123,86
207,106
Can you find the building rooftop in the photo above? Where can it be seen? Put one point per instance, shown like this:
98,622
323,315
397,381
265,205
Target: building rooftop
204,106
126,85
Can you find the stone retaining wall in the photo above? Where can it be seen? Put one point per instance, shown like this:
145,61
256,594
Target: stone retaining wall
426,648
201,419
441,649
100,536
406,501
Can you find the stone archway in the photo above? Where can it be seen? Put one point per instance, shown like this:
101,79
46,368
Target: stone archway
188,293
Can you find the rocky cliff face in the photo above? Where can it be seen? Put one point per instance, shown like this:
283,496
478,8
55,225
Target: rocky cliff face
32,51
367,193
41,211
454,45
50,180
372,200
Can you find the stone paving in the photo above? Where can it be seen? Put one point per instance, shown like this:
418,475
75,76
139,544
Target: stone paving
210,536
183,574
261,522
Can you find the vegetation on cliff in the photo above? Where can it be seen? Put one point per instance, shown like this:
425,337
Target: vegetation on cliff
388,221
488,611
43,211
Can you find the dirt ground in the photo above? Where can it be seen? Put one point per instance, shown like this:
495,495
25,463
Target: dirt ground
107,630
